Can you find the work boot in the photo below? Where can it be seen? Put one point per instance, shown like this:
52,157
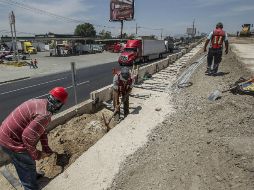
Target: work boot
208,70
214,72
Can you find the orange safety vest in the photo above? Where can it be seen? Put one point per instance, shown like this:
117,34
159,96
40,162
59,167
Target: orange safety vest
218,38
123,86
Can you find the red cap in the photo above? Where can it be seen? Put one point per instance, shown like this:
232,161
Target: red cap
60,94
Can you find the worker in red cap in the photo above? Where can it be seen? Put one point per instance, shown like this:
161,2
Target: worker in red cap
23,128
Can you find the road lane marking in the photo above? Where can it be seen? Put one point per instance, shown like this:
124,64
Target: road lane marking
8,92
85,82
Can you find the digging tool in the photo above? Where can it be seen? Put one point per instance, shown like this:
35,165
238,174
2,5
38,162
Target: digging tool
241,85
10,178
104,118
216,94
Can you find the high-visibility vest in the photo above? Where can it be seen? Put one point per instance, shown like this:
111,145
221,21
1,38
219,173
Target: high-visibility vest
123,86
218,38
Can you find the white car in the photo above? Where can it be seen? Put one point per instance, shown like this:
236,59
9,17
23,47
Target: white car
11,57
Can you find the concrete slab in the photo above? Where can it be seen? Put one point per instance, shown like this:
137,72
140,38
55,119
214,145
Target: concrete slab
245,54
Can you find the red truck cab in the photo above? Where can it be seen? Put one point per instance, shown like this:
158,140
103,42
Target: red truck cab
131,53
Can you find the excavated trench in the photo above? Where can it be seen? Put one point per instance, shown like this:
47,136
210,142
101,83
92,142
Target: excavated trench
71,139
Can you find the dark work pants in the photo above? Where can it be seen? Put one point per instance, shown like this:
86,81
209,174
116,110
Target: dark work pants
216,56
125,103
25,167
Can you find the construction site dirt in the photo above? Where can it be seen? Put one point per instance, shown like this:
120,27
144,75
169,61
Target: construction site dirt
204,144
71,140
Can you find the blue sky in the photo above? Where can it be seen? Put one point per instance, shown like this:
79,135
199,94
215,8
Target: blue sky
174,16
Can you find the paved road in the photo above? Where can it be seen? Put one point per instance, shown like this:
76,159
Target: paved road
88,79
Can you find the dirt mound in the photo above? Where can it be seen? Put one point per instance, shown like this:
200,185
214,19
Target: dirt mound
71,140
204,145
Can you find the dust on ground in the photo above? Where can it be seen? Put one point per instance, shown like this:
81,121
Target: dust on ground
203,145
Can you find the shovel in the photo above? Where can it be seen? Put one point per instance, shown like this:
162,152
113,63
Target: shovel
216,94
107,122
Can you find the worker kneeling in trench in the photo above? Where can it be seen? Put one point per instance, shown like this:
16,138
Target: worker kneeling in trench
23,128
122,86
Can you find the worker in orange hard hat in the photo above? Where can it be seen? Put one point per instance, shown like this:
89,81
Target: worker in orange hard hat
23,128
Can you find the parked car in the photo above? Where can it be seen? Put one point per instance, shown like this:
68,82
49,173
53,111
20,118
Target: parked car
11,57
4,54
98,48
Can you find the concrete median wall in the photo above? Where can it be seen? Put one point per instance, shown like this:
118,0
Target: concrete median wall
105,93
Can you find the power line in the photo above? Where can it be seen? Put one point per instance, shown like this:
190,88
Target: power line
43,12
19,32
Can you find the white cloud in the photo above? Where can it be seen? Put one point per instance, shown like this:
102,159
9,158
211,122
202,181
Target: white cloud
32,21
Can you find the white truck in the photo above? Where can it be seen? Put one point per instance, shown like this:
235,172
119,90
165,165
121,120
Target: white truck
141,51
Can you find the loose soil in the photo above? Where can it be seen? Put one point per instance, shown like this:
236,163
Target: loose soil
72,139
69,141
203,145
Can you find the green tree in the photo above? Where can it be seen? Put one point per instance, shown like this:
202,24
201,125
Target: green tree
126,36
85,30
105,34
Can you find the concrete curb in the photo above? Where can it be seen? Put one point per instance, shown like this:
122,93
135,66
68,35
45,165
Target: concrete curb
13,80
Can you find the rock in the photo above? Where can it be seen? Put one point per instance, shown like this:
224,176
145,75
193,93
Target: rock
218,178
209,129
157,109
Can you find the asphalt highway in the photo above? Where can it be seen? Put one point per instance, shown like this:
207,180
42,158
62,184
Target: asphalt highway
88,80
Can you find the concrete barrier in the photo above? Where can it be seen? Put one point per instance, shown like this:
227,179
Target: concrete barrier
82,108
105,93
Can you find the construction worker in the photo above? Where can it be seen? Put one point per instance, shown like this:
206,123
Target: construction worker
216,39
23,128
122,86
35,64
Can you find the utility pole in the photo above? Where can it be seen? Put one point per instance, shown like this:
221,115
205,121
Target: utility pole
12,41
136,29
12,23
193,28
161,32
121,29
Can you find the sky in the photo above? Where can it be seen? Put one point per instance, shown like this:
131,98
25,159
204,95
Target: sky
153,17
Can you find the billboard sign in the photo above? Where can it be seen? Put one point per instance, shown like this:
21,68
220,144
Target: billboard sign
121,10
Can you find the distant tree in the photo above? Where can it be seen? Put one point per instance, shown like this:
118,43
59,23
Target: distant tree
85,30
50,33
126,36
131,36
105,34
